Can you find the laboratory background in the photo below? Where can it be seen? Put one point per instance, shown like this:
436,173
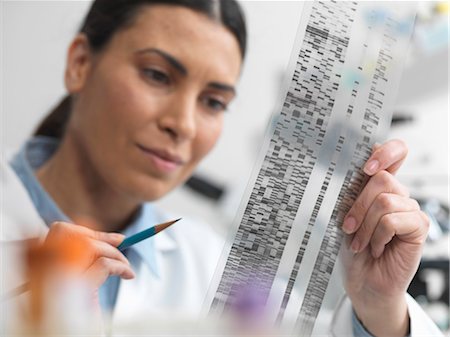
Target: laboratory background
34,37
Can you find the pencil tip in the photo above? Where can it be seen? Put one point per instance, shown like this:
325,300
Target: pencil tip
163,226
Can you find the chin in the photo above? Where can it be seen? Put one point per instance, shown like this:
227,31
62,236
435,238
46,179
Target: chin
152,189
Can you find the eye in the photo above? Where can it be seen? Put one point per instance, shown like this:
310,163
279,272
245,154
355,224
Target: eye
156,76
214,104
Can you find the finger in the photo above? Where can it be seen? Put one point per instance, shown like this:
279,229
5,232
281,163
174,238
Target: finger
382,182
60,228
104,267
389,156
376,146
112,238
385,203
103,249
409,227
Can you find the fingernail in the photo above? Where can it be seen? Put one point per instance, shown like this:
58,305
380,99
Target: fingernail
129,276
349,225
355,245
376,253
371,167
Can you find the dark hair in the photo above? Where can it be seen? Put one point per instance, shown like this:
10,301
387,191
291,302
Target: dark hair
106,17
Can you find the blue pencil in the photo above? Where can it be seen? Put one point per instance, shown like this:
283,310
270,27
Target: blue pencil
145,234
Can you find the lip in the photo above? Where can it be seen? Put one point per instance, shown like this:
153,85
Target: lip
162,160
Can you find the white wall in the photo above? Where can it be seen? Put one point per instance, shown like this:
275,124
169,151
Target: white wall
35,36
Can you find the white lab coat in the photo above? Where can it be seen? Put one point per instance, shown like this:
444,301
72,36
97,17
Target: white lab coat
186,266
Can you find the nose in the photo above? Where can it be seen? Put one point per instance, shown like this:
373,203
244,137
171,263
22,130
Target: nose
179,118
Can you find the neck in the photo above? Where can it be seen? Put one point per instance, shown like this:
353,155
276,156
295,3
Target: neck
80,192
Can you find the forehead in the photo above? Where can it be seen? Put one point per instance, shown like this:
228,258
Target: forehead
191,37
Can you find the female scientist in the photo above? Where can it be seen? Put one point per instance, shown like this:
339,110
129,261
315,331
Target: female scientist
148,83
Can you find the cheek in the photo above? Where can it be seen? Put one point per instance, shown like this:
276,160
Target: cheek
208,134
123,103
110,112
117,108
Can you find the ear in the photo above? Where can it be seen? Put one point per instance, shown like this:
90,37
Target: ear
79,60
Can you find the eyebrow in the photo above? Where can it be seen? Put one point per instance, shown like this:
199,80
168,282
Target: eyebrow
182,69
223,87
169,58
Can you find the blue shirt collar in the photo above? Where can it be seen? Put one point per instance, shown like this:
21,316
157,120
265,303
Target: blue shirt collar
35,153
31,156
145,249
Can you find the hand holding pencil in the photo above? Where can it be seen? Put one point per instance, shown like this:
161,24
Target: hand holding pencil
76,249
72,260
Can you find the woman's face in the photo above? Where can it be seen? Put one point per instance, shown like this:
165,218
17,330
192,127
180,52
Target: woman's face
151,104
